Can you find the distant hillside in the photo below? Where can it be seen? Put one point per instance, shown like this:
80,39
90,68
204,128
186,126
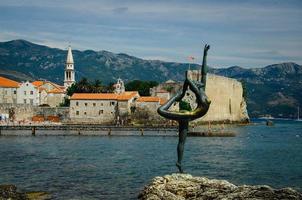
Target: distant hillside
274,89
38,61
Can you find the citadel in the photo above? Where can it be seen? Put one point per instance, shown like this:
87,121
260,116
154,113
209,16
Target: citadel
40,101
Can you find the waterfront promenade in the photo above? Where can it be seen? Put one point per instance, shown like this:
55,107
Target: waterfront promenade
85,129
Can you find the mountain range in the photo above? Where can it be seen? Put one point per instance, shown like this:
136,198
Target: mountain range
275,89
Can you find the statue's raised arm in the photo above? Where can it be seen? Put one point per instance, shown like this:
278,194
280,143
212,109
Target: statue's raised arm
204,69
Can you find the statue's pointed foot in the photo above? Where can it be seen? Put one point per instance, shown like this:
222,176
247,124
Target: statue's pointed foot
178,165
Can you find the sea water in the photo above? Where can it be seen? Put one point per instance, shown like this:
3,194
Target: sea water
96,167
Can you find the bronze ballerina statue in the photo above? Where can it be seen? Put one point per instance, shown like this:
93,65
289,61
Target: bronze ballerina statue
183,116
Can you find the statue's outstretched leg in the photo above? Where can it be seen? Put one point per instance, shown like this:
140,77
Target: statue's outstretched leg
183,131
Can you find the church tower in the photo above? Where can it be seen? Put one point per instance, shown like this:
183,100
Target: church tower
69,70
119,86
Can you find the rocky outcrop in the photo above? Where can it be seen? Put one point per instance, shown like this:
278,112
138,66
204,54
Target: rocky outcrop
185,186
11,192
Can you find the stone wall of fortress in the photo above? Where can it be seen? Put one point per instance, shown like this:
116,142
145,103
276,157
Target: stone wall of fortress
227,102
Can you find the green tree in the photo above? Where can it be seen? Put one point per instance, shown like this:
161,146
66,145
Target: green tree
143,87
83,86
108,88
97,86
66,102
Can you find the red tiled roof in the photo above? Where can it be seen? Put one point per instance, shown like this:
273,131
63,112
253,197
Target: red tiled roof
41,89
162,101
94,96
148,99
38,83
56,91
125,96
162,91
5,82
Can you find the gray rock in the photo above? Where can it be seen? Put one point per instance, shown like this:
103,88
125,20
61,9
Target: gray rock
10,192
185,186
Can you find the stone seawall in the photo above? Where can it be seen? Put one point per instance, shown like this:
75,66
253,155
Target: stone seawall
26,112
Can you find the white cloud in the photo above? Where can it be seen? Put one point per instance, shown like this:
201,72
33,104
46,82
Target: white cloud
241,33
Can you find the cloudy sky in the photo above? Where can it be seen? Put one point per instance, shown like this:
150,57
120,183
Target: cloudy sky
246,33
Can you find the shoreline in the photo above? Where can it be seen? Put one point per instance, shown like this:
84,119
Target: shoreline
103,130
85,130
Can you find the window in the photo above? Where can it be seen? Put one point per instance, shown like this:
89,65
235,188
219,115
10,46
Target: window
94,104
101,104
77,103
85,113
31,92
77,112
101,112
31,101
24,101
15,91
86,104
112,103
24,92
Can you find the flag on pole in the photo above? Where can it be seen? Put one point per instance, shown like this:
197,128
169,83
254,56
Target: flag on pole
191,58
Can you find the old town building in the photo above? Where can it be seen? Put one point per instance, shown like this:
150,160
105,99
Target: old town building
28,93
50,93
8,90
101,107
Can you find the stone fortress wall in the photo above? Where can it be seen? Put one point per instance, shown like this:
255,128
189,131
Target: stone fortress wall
227,102
226,95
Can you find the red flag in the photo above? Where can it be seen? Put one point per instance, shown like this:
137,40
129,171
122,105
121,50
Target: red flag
191,58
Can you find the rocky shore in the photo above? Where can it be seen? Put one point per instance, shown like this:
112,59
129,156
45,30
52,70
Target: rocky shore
185,186
11,192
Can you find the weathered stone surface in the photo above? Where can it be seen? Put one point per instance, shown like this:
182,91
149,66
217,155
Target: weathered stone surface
185,186
38,195
11,192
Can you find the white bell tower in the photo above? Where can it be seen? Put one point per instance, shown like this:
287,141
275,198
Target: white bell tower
69,70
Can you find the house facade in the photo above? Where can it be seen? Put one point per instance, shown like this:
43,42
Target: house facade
93,108
50,93
150,104
27,93
100,107
8,90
